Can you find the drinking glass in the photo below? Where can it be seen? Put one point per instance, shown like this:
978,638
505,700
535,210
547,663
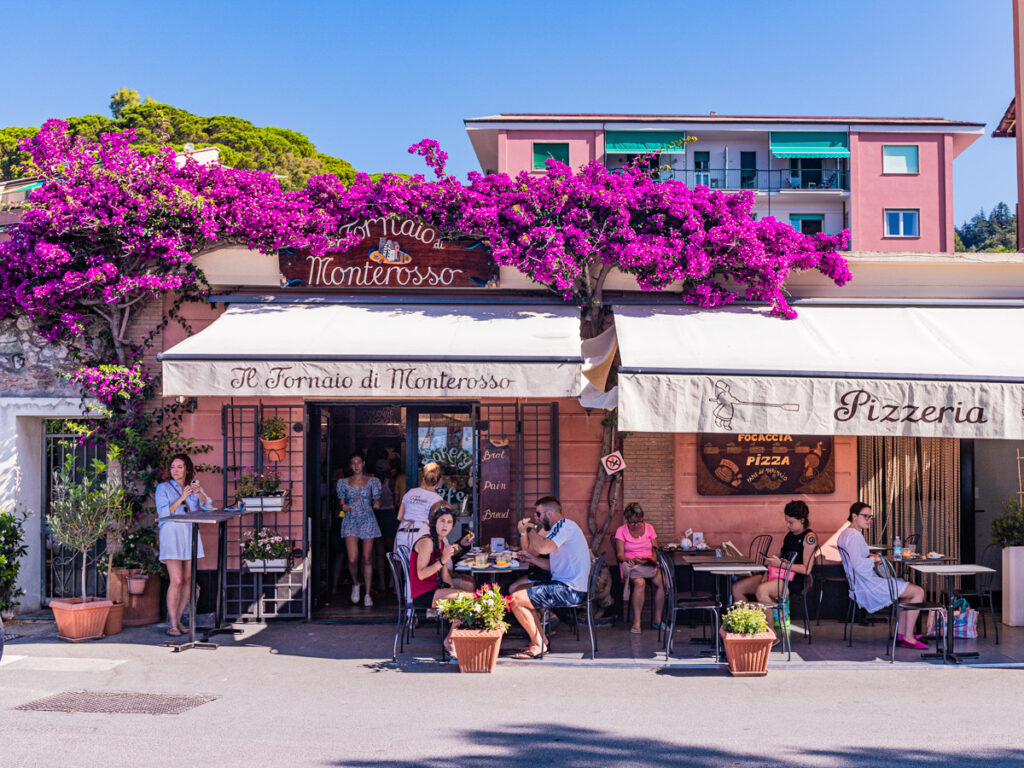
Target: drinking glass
480,558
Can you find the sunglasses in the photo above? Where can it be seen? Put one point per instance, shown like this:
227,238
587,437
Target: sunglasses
865,516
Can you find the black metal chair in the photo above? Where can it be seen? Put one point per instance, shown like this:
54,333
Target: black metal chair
913,541
759,546
803,593
675,604
588,603
406,610
778,608
991,556
822,578
898,606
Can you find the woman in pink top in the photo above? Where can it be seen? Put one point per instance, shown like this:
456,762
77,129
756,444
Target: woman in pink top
634,547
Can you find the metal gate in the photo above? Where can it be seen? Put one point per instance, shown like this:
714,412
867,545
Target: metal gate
531,429
62,569
258,596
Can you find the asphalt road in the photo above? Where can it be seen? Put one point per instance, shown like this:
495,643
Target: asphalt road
308,695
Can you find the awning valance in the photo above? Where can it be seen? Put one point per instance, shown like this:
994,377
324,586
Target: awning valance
641,142
852,370
809,144
367,350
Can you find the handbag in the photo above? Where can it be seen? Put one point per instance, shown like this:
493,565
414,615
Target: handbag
965,621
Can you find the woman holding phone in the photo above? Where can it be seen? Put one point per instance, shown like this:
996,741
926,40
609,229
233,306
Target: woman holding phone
177,496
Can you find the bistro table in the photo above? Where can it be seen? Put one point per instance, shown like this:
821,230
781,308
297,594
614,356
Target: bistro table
721,571
950,571
490,570
219,517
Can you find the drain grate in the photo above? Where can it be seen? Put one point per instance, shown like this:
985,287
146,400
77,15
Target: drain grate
116,703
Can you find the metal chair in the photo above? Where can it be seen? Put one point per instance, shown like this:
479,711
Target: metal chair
675,604
802,594
913,541
406,610
898,606
759,546
851,580
588,603
821,578
992,556
779,606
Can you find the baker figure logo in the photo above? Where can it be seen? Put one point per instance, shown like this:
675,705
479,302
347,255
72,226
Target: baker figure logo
725,411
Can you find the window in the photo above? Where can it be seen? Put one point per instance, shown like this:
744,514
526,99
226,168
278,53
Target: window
556,151
902,223
808,223
899,159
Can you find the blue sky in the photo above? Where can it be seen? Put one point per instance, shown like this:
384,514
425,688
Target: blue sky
364,80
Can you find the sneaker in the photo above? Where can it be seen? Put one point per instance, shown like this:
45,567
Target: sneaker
367,600
355,594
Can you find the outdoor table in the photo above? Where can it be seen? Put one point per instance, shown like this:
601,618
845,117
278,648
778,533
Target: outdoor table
722,570
490,570
950,571
219,517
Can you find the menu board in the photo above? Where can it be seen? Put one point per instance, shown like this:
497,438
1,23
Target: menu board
495,492
753,465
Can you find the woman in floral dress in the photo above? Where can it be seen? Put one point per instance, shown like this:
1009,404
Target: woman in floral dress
359,494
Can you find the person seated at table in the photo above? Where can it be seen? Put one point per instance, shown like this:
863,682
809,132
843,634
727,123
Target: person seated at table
430,563
801,541
871,590
565,545
177,496
635,543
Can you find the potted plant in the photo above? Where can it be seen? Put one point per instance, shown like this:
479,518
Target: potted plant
274,436
747,639
264,551
1008,532
478,623
12,549
259,491
137,560
81,508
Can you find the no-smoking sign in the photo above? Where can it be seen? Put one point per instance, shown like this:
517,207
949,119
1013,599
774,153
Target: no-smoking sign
613,463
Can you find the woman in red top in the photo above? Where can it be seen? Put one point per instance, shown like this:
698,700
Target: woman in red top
430,562
634,547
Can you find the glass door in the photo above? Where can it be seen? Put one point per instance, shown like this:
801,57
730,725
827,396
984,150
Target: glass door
445,434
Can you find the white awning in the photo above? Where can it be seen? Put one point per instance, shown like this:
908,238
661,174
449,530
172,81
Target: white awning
367,350
931,371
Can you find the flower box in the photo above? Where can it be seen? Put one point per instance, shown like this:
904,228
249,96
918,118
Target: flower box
273,503
477,649
747,654
77,621
280,565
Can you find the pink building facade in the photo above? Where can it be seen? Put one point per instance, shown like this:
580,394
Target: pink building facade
889,180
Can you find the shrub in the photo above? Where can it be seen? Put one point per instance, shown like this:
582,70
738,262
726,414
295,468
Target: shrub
1008,528
484,609
12,549
273,429
744,619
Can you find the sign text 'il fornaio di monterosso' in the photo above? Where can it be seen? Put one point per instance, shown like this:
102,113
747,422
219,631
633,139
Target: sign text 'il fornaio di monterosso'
386,378
393,253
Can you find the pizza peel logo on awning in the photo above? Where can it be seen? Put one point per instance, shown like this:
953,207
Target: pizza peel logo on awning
725,411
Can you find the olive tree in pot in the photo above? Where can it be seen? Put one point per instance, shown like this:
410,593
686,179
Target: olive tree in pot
1008,532
747,639
82,506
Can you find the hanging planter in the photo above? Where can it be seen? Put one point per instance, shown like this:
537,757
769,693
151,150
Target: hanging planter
277,565
273,503
265,551
274,436
136,583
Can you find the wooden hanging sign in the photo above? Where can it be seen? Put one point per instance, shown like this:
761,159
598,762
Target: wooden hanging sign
751,465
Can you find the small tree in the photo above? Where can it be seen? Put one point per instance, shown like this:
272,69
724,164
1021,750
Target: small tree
12,549
84,506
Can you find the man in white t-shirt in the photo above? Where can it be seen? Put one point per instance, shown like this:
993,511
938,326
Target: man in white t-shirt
569,558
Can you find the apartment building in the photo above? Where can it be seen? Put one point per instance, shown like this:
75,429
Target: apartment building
888,179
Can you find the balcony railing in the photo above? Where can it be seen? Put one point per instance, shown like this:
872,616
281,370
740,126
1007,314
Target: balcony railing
760,179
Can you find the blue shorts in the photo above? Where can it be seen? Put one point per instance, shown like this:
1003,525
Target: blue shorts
554,594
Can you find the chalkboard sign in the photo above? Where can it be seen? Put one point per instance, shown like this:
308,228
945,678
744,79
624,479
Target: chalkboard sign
393,253
751,465
495,492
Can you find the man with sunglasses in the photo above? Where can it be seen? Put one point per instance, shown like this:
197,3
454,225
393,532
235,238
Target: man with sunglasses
565,546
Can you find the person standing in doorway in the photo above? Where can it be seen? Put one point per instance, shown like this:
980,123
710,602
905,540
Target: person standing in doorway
359,494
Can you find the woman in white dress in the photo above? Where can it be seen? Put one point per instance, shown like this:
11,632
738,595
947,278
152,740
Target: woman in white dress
871,590
179,495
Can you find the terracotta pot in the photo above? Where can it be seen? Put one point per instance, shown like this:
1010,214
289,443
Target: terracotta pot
115,619
748,654
78,621
136,583
276,449
139,610
477,649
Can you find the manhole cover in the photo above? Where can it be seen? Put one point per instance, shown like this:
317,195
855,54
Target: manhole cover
116,702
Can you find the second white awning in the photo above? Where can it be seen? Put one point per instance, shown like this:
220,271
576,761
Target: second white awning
933,371
372,350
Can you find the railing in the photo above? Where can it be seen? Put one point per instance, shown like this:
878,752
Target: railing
773,180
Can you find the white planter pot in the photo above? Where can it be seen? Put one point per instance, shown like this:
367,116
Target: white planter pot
1013,586
264,503
267,566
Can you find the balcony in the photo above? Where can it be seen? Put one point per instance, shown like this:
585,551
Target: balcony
762,179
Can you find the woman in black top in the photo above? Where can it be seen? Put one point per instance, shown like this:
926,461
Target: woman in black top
766,588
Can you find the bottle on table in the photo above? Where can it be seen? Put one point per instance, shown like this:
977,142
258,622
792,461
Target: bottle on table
897,548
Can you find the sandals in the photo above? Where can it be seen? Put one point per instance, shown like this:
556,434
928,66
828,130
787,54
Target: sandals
635,629
174,632
526,654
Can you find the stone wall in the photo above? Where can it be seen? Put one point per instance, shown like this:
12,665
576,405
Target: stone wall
29,365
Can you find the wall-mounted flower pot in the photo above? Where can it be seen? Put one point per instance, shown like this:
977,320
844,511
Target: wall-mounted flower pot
136,583
264,503
115,620
1013,586
280,565
276,450
77,621
748,654
477,649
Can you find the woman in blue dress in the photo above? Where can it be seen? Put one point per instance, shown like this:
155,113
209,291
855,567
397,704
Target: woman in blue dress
177,496
359,494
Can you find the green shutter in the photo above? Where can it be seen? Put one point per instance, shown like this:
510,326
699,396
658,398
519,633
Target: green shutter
806,217
641,142
555,150
810,144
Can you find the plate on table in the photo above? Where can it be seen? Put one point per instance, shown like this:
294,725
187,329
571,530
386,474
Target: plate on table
502,566
935,555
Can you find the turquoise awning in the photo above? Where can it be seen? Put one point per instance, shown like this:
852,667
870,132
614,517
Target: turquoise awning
640,142
800,144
